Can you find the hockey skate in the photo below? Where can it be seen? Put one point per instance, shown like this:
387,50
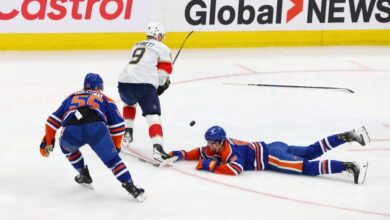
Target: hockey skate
137,193
160,155
128,137
84,178
359,135
358,170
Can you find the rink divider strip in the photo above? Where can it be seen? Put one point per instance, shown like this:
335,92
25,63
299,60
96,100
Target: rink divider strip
200,39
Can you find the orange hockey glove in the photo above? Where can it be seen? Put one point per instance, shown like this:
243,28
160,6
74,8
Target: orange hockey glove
46,148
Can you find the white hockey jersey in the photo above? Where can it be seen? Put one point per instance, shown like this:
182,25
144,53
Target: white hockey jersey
149,57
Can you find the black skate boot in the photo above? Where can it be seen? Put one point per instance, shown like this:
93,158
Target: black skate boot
358,170
83,176
137,193
359,135
160,155
128,137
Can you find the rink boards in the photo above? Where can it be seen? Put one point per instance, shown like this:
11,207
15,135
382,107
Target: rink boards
117,24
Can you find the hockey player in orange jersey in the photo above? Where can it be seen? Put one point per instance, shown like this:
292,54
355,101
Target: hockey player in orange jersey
229,156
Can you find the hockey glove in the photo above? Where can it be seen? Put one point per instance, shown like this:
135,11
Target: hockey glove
161,89
207,164
45,148
180,154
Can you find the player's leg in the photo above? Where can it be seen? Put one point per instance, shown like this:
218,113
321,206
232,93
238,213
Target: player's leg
101,142
70,142
280,159
357,169
315,150
151,110
127,93
129,112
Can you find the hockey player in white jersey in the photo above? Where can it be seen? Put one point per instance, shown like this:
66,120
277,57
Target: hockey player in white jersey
142,81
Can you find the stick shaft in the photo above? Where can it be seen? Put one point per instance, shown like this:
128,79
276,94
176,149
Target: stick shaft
134,154
181,47
291,86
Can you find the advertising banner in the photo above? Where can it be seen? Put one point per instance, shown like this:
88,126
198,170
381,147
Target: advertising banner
256,15
114,24
90,16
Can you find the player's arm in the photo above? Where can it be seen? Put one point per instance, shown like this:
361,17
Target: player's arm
164,69
53,123
232,168
194,154
116,124
231,165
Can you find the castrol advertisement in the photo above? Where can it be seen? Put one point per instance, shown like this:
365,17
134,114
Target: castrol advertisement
43,16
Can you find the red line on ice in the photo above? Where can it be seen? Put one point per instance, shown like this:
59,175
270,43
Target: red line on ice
273,195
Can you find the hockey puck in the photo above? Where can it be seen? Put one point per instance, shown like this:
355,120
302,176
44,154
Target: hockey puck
192,123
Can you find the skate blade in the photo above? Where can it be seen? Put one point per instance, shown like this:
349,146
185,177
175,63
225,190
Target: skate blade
125,144
365,136
167,162
141,197
364,169
87,186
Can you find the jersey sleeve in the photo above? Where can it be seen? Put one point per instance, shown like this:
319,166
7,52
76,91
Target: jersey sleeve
164,54
115,122
53,123
197,154
164,65
232,168
193,154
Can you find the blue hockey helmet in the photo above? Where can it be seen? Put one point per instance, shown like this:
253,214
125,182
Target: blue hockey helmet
215,133
93,81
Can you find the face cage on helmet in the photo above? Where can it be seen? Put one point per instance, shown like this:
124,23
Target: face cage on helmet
212,144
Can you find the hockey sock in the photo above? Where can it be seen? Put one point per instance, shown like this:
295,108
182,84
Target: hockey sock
129,112
155,129
320,147
76,159
119,170
315,168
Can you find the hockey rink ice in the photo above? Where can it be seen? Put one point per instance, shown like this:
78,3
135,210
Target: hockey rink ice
33,84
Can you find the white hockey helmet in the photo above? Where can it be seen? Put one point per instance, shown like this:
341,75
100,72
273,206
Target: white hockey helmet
155,29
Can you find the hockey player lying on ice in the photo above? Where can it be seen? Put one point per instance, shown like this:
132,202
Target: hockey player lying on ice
229,156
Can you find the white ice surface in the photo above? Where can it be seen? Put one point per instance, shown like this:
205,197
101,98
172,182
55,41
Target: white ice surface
33,84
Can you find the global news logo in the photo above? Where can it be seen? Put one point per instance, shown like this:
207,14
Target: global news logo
212,12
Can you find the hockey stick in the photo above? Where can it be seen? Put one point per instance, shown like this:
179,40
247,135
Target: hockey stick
136,155
181,47
143,158
290,86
